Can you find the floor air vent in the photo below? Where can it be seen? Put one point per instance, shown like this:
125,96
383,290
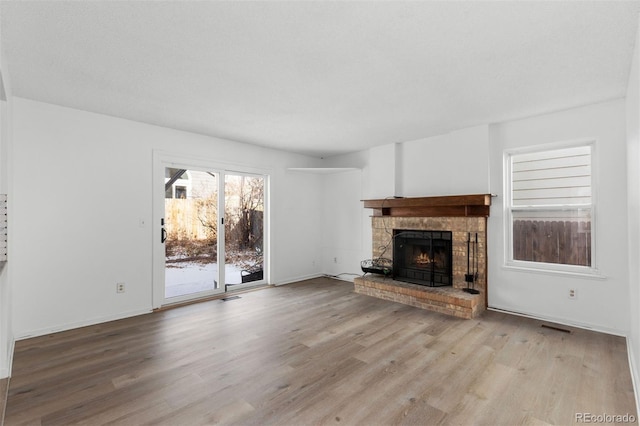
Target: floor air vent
226,299
551,327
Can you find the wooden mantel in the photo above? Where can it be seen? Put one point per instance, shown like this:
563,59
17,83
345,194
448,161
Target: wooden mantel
475,205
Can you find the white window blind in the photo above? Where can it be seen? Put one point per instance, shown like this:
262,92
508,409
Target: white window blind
557,177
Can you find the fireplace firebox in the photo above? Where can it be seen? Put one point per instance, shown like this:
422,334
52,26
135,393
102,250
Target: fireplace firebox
423,257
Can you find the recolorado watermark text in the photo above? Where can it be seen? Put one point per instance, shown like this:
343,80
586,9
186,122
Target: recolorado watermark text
604,418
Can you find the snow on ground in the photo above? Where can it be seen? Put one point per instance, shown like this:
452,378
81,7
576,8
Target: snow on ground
191,277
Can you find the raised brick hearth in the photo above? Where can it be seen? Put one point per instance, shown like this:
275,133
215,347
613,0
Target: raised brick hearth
449,300
446,300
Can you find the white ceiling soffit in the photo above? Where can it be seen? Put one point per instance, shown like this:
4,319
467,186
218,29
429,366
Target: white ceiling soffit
319,78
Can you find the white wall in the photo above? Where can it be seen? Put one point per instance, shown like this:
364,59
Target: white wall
382,180
601,303
296,212
451,164
342,248
6,334
349,238
633,200
82,181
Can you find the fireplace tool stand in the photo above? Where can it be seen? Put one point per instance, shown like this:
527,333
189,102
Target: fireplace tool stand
471,277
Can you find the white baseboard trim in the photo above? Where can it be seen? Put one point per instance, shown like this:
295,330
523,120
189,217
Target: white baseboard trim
300,278
78,324
634,373
562,321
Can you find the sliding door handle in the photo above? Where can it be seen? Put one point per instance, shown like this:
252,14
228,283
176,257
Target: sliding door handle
163,236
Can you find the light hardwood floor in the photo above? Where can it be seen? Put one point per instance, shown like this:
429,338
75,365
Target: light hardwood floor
317,353
4,387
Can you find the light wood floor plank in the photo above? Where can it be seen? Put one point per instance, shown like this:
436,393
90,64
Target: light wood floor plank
4,388
317,353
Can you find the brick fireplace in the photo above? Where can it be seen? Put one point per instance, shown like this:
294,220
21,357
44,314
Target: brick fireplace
463,218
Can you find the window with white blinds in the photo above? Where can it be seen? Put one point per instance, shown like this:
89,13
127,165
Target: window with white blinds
550,208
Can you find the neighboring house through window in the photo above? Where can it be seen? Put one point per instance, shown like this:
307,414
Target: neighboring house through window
550,208
180,186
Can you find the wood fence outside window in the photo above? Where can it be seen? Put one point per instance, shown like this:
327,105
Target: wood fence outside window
563,242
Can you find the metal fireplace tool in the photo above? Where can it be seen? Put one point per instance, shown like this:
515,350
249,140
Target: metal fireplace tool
471,277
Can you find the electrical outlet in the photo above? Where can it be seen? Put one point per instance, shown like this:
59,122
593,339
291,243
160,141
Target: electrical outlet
335,260
120,288
573,293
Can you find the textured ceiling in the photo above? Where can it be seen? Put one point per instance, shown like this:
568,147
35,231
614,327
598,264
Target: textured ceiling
319,78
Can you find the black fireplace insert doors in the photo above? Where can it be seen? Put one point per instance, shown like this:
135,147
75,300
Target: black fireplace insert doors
423,257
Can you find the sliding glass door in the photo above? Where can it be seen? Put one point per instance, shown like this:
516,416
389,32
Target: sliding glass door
211,231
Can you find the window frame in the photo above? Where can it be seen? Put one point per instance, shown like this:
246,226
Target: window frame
509,208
